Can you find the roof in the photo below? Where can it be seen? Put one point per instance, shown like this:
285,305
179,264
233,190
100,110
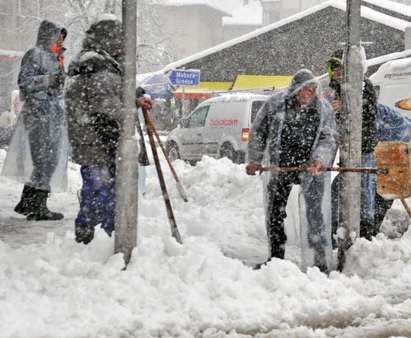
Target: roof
367,13
388,57
249,15
391,6
11,53
213,4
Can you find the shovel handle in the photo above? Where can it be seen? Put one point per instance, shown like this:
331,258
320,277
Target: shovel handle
383,171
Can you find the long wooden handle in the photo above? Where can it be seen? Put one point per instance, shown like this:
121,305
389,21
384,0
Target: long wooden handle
367,170
174,229
406,206
178,182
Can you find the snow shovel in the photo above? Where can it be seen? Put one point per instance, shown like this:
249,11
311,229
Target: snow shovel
178,182
393,171
174,230
397,185
367,170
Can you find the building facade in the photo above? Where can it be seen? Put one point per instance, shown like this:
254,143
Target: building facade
305,40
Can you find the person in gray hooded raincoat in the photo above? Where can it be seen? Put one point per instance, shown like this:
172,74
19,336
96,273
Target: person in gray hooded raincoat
41,82
294,128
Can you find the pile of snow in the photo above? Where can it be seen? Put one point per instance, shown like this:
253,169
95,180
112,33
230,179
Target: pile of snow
54,287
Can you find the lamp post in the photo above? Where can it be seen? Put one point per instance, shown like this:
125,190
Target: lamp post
126,166
350,147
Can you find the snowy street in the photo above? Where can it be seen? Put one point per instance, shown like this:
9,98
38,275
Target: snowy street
52,287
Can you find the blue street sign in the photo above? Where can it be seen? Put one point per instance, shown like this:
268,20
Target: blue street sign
189,77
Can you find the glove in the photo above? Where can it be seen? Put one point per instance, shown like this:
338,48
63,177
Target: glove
57,80
252,168
144,102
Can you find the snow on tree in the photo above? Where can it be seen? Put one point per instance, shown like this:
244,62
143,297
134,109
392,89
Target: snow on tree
152,52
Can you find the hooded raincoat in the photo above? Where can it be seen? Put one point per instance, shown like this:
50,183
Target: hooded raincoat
38,150
267,142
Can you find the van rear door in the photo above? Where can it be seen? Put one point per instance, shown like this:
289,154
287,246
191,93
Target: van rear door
255,108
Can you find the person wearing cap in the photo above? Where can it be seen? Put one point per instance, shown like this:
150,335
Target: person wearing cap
93,99
295,127
369,140
41,82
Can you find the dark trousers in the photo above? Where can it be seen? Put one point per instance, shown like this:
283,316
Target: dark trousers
97,205
278,191
369,226
381,208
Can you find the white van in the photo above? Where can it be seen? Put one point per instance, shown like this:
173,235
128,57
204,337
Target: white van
392,82
218,127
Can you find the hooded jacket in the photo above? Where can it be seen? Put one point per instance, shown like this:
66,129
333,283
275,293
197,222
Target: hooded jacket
39,65
93,95
266,131
392,126
369,108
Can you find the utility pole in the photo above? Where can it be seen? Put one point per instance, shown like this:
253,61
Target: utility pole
350,146
126,166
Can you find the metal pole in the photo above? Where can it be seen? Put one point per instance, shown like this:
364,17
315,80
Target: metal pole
350,146
126,165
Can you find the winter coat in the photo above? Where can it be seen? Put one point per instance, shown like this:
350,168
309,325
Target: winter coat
392,126
38,66
93,96
37,147
369,115
268,125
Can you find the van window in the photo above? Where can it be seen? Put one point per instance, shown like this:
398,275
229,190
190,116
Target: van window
255,107
198,117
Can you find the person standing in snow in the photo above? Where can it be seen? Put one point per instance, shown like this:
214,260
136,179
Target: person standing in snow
368,142
296,128
41,82
93,101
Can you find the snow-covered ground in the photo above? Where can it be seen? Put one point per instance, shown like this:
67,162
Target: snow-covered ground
52,287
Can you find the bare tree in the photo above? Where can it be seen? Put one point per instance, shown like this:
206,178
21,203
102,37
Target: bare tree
152,51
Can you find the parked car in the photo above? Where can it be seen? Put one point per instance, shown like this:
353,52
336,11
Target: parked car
218,127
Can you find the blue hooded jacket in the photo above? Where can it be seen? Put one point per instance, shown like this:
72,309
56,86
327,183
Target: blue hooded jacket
391,125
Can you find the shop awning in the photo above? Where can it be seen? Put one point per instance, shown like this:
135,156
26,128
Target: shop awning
246,82
203,91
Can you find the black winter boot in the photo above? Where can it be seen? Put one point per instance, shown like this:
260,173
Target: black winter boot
40,210
84,234
320,260
25,206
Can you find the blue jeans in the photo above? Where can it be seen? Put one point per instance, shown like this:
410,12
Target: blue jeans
97,205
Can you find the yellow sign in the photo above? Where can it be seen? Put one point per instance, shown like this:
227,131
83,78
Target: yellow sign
244,82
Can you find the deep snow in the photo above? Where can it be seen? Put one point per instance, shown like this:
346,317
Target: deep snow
52,287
